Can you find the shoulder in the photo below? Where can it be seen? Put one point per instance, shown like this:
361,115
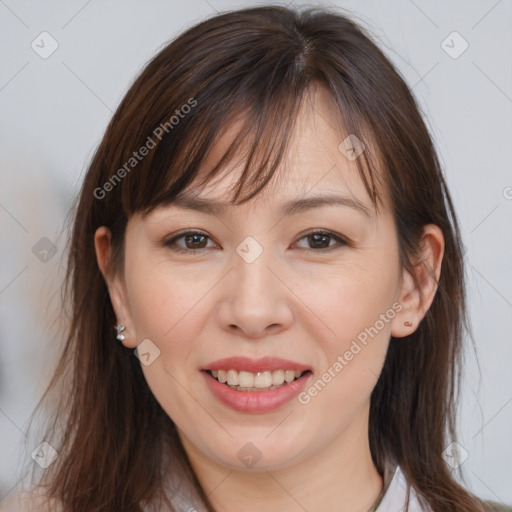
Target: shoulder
28,501
498,507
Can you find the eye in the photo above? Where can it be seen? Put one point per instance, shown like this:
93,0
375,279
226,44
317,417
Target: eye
319,240
194,241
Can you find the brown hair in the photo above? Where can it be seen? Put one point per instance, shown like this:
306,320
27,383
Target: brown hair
254,65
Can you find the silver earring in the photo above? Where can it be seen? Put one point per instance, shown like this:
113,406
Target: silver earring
120,329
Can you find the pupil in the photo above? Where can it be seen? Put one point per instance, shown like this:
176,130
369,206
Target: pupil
194,240
317,239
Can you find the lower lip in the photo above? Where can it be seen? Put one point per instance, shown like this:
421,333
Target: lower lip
255,401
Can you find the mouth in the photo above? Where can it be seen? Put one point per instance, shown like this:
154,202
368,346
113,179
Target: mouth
255,385
256,382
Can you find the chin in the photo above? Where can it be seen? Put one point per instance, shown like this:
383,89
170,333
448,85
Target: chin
259,452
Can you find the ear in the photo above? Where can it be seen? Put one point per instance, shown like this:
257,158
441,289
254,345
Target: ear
417,299
115,284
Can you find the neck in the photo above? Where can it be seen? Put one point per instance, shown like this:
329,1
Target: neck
341,477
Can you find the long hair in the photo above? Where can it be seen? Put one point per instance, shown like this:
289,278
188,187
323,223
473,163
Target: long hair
256,65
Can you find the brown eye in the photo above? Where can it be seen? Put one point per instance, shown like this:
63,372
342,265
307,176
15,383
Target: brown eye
193,241
321,240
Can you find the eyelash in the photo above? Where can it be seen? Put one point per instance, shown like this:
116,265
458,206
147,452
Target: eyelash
171,243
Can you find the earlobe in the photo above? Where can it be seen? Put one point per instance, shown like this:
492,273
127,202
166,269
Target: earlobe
416,295
116,289
406,321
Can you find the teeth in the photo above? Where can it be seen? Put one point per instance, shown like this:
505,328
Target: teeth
289,375
277,377
232,378
248,381
263,380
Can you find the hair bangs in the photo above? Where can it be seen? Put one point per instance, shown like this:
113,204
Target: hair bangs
262,119
262,128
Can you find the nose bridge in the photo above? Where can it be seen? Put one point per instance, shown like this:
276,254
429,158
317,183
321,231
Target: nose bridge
257,300
251,273
251,267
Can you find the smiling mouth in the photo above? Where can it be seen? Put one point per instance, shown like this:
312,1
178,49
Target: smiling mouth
256,382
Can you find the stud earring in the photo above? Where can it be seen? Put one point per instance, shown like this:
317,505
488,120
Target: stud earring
408,324
119,329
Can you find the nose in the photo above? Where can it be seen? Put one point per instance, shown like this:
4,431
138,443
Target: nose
255,300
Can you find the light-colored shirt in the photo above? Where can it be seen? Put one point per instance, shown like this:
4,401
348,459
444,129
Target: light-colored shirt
394,496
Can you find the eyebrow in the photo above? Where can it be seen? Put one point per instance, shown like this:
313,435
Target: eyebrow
291,207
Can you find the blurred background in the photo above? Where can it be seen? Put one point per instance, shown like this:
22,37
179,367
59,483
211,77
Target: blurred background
64,67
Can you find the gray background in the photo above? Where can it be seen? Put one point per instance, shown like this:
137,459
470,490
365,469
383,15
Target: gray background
54,112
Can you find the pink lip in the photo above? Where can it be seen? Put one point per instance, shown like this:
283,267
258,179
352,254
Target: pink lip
255,365
255,401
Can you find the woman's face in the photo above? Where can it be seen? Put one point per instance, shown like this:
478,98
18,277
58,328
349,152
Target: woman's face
278,292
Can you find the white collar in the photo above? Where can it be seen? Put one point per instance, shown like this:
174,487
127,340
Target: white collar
394,499
396,495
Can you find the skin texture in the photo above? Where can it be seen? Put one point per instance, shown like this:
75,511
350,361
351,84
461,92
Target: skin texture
306,306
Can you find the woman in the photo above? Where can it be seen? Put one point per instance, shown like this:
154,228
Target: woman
266,226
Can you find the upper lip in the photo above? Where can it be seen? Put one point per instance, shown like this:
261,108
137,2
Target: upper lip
255,365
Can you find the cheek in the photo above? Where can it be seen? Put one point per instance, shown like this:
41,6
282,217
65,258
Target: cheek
354,348
166,307
166,303
355,303
349,299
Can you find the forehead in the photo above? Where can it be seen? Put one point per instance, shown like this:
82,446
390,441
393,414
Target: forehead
314,163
